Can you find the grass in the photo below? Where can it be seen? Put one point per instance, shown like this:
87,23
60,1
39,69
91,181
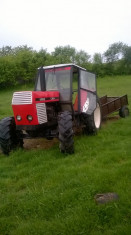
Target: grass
45,192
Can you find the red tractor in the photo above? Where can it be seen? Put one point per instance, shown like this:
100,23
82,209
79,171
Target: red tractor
64,97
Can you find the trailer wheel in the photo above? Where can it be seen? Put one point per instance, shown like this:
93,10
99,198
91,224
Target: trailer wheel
65,132
124,112
9,137
93,122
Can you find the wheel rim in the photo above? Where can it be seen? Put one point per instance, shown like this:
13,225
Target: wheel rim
97,116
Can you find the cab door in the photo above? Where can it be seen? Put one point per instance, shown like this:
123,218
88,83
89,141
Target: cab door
87,92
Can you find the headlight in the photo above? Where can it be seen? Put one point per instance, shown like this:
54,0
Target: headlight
19,118
30,118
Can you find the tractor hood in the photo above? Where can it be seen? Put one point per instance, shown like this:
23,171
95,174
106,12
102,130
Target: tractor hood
29,107
30,97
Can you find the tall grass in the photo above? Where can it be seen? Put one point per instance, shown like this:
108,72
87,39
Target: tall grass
45,192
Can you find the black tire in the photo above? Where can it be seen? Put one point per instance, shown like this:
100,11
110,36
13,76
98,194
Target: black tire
93,122
9,137
124,112
65,132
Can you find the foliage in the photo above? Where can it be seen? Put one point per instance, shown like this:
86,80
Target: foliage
18,65
64,54
44,192
117,59
115,52
98,66
8,71
127,60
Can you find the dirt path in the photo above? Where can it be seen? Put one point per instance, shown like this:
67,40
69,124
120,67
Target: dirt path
111,119
39,143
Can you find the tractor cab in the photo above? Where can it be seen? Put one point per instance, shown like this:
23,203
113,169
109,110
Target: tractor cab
76,86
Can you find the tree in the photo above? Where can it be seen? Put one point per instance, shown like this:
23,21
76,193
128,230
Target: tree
97,66
19,64
114,58
82,58
25,63
97,58
8,71
127,60
5,51
115,52
64,54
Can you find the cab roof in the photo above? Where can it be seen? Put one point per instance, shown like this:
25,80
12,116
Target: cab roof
62,65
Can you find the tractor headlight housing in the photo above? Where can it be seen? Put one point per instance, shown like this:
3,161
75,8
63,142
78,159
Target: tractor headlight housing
19,118
29,118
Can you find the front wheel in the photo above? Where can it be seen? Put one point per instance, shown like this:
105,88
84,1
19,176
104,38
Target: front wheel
65,132
9,137
93,122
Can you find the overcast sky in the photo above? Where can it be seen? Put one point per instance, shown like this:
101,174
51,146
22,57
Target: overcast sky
90,25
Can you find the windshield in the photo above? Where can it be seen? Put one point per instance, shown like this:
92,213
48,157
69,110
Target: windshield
59,79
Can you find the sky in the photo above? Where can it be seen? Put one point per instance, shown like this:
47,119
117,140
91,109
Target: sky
89,25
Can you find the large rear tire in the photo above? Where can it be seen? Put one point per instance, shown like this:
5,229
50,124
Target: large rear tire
9,137
93,122
65,132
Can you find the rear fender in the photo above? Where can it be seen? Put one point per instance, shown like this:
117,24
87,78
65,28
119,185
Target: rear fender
88,101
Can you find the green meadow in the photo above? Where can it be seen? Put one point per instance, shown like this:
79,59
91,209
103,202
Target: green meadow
43,192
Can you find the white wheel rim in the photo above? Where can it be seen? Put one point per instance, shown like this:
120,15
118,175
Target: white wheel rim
97,116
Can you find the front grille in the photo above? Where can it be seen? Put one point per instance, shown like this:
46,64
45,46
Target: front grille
41,112
22,97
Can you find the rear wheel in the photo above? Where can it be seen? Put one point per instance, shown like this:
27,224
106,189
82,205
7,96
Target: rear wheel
124,112
93,121
9,137
65,132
